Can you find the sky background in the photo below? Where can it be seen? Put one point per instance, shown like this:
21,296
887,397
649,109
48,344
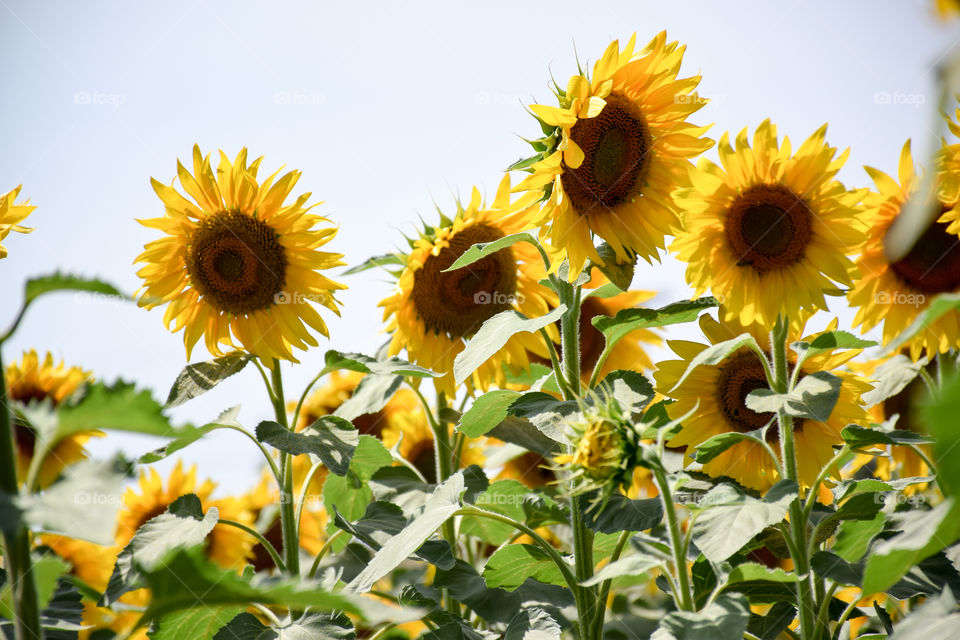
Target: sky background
386,108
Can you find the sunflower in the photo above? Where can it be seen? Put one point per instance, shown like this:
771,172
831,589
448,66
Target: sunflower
33,380
238,264
11,214
620,145
895,293
410,432
226,545
431,313
530,469
717,393
769,233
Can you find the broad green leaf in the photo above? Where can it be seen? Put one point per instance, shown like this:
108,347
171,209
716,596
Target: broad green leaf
540,510
631,390
633,565
200,377
183,525
189,434
862,506
332,439
532,623
522,432
196,624
830,341
725,619
62,616
938,307
627,320
771,625
350,494
618,273
383,520
854,537
716,354
441,506
505,497
119,407
385,260
861,437
940,414
730,518
510,566
715,445
487,411
545,412
849,488
813,398
620,513
829,565
494,334
47,570
922,533
481,250
39,286
752,571
336,360
311,626
936,619
370,396
82,504
892,377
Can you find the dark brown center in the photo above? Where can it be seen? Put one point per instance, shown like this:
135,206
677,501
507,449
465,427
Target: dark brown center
933,264
533,470
236,262
768,227
616,147
591,339
424,460
458,302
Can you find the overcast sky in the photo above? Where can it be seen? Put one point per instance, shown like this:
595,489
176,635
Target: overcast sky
385,108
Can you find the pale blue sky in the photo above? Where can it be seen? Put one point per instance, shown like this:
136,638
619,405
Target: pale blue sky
384,107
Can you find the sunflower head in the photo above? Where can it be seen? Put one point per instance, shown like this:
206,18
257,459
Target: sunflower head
35,380
896,292
11,215
238,266
408,431
769,231
617,145
433,312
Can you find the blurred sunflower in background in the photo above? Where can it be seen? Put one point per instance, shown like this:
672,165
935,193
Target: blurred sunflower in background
431,313
620,145
411,434
895,293
770,231
237,263
716,394
35,380
11,215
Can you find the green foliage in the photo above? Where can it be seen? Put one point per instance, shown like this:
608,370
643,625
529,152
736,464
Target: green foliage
481,250
200,377
510,566
618,273
330,438
813,398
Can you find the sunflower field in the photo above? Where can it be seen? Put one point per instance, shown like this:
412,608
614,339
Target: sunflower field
517,459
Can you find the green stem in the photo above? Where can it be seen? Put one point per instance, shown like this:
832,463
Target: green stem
288,519
676,541
555,362
798,525
444,453
263,541
16,546
324,550
605,586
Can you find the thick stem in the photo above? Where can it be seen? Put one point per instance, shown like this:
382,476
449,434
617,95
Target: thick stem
288,516
16,547
677,543
443,450
798,525
605,586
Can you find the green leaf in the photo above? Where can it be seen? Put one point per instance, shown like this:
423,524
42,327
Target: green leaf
936,619
39,286
385,260
200,377
940,413
716,354
938,307
82,504
729,518
311,626
771,625
829,565
523,433
196,624
383,520
332,439
335,361
862,506
633,565
540,510
494,334
862,437
627,320
370,396
119,407
620,513
921,535
510,566
481,250
715,445
487,411
813,398
631,390
441,506
892,377
724,619
183,525
532,623
545,412
830,341
46,570
854,537
189,434
350,494
618,273
505,497
752,571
